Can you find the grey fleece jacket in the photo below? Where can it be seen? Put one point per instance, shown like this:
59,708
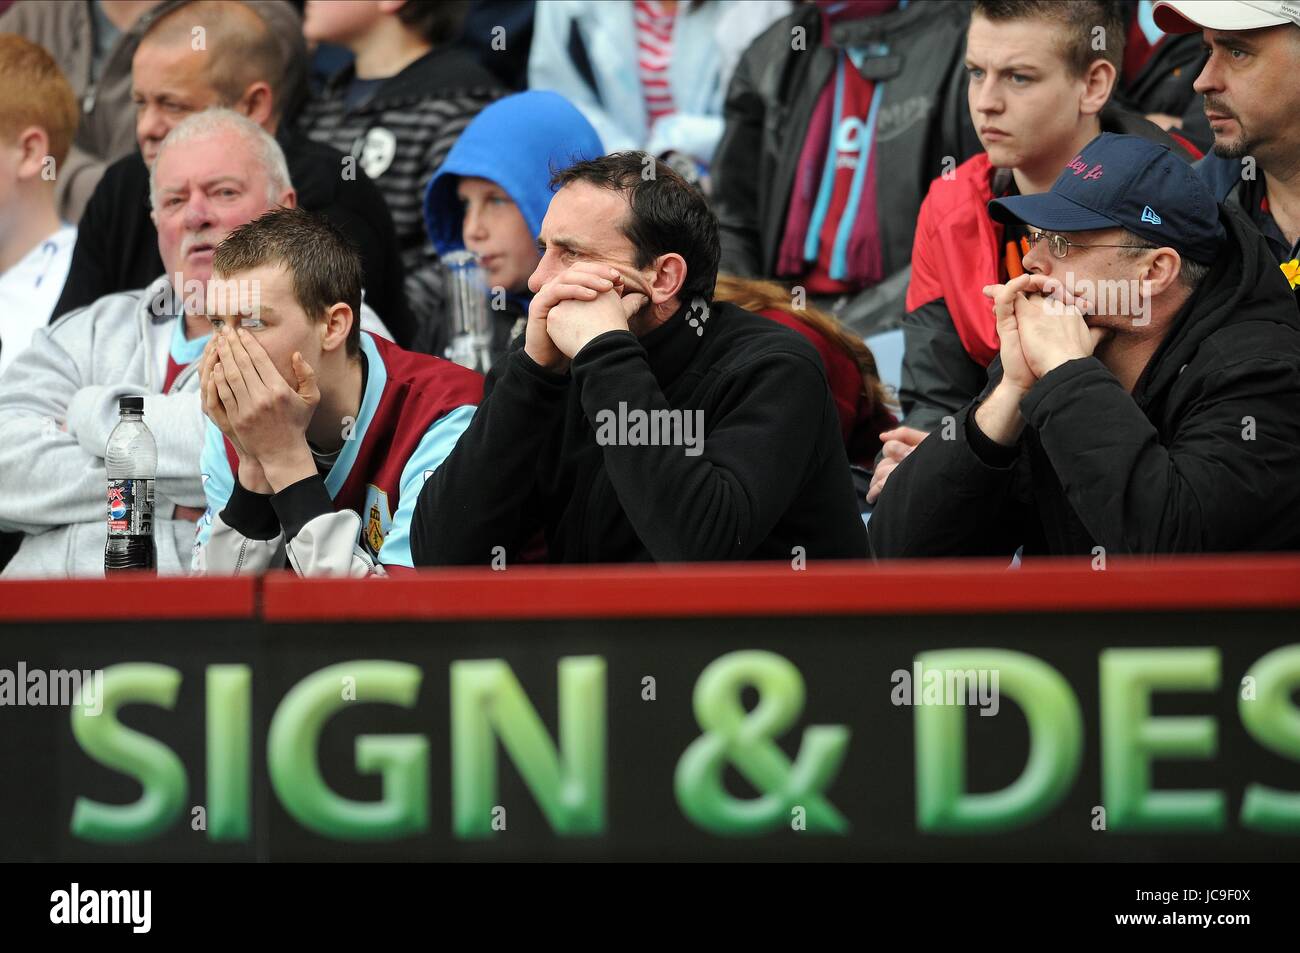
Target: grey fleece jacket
58,404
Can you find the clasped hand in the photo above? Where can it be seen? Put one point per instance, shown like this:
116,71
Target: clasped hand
1040,326
577,305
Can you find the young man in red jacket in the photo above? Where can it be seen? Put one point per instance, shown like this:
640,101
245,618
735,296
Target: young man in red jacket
1034,105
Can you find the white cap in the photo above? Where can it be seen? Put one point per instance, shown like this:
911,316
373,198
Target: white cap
1191,16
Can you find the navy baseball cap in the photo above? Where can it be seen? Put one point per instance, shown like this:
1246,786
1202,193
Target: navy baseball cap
1126,182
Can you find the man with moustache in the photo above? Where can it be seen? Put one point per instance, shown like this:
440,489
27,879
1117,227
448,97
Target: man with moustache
214,172
1102,433
1249,83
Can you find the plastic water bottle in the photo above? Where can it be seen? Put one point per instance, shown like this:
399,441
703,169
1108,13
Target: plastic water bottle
467,292
132,463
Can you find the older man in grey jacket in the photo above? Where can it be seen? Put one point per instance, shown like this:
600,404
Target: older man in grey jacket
58,401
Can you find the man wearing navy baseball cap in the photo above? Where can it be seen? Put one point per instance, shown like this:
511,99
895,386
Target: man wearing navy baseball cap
1146,396
1251,84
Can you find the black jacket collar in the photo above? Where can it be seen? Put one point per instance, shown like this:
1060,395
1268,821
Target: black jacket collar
671,347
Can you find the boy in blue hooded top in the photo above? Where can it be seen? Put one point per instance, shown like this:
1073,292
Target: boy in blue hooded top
490,194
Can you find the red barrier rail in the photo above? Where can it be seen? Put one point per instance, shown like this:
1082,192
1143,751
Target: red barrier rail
129,596
759,589
713,589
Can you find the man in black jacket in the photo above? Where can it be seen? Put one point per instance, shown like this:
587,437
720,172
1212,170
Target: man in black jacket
240,65
640,420
1167,425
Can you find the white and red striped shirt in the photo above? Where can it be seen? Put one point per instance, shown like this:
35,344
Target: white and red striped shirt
654,41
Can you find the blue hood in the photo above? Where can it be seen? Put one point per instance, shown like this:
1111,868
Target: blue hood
516,142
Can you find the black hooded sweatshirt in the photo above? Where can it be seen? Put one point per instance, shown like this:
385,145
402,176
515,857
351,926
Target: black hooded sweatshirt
769,481
1203,456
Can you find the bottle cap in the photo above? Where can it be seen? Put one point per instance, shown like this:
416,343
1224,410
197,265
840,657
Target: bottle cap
134,404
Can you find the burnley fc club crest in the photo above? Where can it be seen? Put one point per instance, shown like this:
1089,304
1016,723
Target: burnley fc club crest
378,520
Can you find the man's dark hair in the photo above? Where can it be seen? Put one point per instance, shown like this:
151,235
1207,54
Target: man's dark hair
667,214
438,21
1079,17
324,265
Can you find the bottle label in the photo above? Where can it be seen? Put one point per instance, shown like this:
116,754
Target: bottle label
130,507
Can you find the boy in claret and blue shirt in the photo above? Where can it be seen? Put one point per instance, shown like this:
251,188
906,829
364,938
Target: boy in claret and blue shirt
319,435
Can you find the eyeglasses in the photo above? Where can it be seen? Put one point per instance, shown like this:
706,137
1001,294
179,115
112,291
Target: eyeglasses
1060,245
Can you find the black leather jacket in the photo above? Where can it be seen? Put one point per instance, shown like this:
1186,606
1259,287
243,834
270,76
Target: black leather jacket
924,120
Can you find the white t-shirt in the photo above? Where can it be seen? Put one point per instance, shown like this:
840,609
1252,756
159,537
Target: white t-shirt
30,290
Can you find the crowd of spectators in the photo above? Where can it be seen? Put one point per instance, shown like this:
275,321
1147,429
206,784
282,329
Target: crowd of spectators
758,279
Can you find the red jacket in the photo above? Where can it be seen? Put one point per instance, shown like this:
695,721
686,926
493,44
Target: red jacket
956,253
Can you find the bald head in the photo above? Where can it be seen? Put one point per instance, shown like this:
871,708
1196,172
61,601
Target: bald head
203,54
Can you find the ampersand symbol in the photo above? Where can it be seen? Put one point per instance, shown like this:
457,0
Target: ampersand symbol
745,740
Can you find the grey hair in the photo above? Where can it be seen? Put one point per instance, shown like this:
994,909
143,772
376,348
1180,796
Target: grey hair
1193,273
216,120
